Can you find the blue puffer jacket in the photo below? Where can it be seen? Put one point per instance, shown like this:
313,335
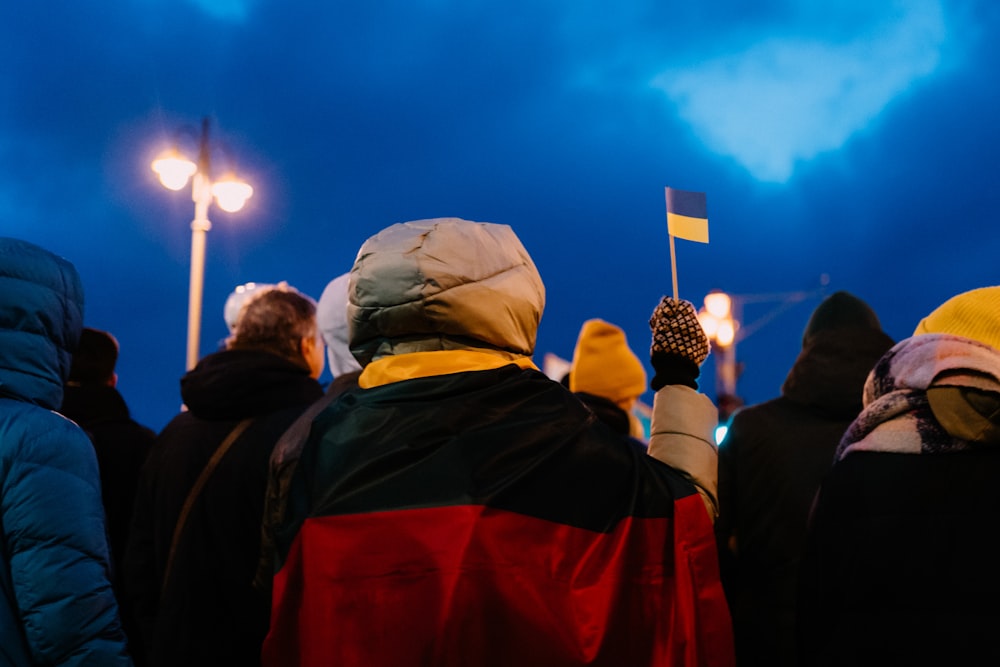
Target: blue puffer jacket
56,603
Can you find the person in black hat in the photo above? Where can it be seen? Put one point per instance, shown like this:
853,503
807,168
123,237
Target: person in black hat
771,464
92,400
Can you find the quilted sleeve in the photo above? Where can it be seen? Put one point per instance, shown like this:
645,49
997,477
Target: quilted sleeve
682,436
54,538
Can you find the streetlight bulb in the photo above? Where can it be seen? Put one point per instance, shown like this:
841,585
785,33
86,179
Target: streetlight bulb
718,303
709,322
173,169
726,333
231,194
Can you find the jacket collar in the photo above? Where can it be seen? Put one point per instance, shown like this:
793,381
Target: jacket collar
412,365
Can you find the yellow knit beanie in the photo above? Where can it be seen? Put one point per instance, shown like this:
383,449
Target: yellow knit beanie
974,314
604,365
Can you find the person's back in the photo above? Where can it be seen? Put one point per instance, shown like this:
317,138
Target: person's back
193,592
770,465
461,508
92,400
899,559
56,603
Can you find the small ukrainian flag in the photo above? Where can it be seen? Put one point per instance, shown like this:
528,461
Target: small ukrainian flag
687,215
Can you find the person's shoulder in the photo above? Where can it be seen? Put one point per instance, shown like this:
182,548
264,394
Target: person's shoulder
761,417
37,436
762,409
123,433
625,454
32,423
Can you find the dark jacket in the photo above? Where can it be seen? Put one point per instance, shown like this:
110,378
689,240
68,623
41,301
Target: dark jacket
771,463
607,411
56,602
486,518
122,445
209,613
900,565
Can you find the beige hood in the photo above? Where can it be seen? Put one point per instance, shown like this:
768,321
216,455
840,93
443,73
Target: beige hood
443,284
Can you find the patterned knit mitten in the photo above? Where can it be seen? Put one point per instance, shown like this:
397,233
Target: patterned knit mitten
679,344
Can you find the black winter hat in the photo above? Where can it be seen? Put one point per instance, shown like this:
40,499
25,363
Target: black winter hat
95,358
841,310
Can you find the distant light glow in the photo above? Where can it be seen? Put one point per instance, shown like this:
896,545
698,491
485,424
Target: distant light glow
782,101
726,333
720,433
709,322
718,304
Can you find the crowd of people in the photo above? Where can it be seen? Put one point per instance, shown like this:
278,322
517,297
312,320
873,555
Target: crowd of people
443,502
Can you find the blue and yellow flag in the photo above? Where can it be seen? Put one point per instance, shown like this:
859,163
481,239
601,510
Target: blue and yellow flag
687,215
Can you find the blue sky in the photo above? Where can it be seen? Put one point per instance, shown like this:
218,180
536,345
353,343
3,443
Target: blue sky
854,140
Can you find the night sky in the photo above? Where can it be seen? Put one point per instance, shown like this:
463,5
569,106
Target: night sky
852,145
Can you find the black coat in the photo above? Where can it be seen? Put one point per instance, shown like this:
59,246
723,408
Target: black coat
900,565
122,445
209,613
770,465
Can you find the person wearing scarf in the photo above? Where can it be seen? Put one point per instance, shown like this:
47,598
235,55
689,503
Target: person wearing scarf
900,561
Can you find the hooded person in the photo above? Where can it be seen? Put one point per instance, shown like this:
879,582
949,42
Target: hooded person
607,376
56,602
771,463
899,564
194,542
460,507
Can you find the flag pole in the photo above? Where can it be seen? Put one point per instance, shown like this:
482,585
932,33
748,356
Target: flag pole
673,264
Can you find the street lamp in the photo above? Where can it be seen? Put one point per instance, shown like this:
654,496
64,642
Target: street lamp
720,324
230,194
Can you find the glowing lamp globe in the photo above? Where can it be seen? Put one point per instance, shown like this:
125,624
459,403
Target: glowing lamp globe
718,304
726,333
174,170
709,322
231,194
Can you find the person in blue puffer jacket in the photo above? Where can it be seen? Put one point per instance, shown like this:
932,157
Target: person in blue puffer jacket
56,602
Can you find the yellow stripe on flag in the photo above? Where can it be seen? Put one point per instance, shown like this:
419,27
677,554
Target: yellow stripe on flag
690,229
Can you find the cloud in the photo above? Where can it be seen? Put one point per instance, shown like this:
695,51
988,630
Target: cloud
782,101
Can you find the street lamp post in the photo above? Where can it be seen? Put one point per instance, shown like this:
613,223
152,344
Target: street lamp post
720,323
231,194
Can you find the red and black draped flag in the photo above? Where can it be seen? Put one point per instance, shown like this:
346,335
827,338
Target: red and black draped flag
479,518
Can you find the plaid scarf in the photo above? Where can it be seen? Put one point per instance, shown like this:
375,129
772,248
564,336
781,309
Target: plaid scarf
897,416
